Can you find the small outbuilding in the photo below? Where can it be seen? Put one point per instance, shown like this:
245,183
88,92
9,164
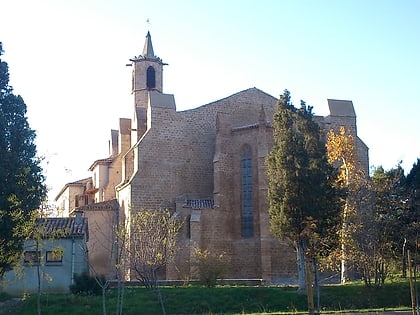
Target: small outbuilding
51,258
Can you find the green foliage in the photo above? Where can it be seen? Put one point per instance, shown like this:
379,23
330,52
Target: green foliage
22,183
411,217
379,243
210,266
86,284
413,178
303,202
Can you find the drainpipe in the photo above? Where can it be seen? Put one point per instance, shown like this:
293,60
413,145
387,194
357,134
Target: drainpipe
73,254
78,222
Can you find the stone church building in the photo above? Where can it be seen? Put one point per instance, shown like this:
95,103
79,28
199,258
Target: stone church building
206,164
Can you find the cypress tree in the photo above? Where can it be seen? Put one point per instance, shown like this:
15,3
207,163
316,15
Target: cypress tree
303,202
22,186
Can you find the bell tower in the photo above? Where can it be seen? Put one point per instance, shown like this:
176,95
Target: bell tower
147,76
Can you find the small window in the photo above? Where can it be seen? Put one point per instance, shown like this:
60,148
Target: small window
32,257
54,256
151,80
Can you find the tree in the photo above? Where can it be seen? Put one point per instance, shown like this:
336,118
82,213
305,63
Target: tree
153,236
23,187
411,217
303,203
342,153
375,244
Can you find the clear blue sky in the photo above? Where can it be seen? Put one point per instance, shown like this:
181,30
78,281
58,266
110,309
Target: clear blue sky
67,59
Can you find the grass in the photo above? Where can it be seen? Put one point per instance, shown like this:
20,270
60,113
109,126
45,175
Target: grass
226,300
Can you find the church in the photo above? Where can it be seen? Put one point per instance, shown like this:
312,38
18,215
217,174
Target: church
207,164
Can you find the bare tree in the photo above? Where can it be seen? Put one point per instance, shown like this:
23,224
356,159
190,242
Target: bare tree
153,235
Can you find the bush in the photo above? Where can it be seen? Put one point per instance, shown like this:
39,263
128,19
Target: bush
210,266
86,284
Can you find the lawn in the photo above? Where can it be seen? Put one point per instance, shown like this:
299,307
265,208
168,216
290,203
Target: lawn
226,300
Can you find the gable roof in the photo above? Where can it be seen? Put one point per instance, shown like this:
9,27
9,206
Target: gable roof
104,161
250,93
79,183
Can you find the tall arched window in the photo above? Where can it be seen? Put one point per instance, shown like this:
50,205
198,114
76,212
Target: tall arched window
247,199
151,79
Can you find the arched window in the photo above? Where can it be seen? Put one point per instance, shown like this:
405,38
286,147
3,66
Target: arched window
188,225
247,199
151,79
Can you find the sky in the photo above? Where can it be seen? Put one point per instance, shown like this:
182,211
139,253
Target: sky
67,59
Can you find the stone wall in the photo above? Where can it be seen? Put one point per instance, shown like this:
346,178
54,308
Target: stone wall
196,154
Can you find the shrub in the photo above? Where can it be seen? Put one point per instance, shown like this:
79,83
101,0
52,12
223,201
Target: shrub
210,266
86,284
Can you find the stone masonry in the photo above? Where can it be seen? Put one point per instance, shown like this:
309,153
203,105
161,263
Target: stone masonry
206,164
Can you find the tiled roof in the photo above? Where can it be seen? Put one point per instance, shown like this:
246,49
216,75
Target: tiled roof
253,126
103,205
200,203
63,227
81,181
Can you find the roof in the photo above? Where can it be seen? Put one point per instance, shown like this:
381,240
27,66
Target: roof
107,160
103,205
199,203
148,47
148,53
63,227
80,182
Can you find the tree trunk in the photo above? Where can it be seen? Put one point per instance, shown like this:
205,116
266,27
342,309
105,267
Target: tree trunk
38,272
344,228
318,294
344,272
404,259
309,286
300,251
412,290
103,299
159,293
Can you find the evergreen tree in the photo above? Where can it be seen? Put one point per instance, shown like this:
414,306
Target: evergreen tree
22,184
379,248
303,202
411,218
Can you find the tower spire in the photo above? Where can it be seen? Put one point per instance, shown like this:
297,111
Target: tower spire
148,47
